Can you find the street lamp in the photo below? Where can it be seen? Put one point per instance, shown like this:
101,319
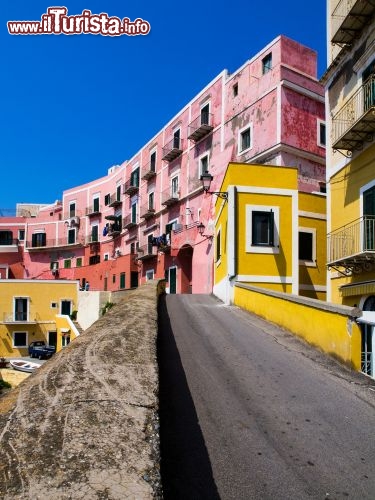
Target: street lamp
201,227
206,180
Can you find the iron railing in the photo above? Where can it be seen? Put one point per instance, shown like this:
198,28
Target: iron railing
129,221
50,243
170,196
354,109
149,170
9,241
93,210
352,239
173,149
200,127
366,362
147,210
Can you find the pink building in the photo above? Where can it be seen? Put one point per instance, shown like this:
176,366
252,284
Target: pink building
140,220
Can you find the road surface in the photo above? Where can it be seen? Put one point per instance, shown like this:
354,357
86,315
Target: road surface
251,412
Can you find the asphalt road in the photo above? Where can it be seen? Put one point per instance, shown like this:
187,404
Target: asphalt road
250,412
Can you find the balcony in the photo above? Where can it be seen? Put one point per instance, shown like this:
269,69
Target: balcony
353,245
9,245
149,171
93,239
54,243
200,127
349,18
170,196
92,211
19,318
115,200
147,251
129,222
172,149
131,186
147,211
354,124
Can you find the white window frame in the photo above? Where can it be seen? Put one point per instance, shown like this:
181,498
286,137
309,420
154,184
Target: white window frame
312,230
106,257
319,123
20,346
200,171
240,151
72,202
175,192
249,228
148,272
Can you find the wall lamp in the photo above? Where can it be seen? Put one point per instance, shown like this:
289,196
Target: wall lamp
201,227
206,183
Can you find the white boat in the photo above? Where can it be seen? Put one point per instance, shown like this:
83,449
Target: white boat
23,366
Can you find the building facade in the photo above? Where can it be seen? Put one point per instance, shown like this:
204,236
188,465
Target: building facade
350,108
140,221
269,234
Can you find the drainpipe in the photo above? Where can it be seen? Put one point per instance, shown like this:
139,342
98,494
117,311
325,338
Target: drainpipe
232,239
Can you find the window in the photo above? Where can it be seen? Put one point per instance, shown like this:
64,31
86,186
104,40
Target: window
134,213
205,115
244,140
176,139
307,245
122,280
203,165
71,236
79,262
65,340
38,240
174,187
107,199
94,233
235,90
72,209
20,339
150,275
21,308
21,234
153,161
151,205
54,305
95,205
113,278
6,237
54,265
94,259
321,133
218,245
118,193
106,256
133,248
67,264
262,229
267,64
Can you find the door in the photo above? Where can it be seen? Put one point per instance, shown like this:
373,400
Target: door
66,307
172,279
369,219
134,279
52,338
367,365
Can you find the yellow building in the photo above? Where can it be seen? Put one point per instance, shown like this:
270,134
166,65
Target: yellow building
268,234
36,310
350,105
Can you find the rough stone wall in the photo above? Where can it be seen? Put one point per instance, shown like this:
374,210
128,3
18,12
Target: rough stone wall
85,425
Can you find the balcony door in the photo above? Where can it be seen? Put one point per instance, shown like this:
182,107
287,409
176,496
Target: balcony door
368,81
369,219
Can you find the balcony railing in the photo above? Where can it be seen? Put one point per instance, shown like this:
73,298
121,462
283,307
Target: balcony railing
349,18
131,186
114,200
200,127
129,222
92,239
20,317
353,244
147,211
53,243
147,251
9,242
90,211
172,149
367,359
170,196
149,171
355,122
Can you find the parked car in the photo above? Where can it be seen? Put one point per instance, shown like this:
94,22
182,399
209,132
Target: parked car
39,349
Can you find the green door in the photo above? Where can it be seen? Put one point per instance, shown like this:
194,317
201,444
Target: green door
66,307
172,279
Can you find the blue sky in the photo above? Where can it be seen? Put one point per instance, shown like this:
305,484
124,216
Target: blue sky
72,106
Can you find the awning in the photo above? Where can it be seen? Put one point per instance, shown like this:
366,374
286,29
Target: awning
360,288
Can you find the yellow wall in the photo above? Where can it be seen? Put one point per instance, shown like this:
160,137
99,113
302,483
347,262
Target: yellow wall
345,208
42,318
329,331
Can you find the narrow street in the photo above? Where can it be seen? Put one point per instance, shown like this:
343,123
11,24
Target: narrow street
250,412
